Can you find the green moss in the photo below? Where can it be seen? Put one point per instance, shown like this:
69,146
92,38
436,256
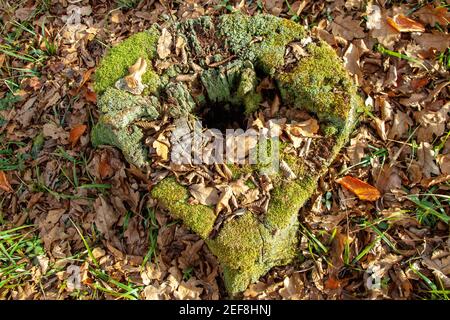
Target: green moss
319,84
251,102
172,196
118,59
239,242
287,199
240,32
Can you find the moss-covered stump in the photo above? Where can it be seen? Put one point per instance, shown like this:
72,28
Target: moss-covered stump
227,55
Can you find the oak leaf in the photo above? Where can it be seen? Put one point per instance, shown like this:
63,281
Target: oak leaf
76,132
361,189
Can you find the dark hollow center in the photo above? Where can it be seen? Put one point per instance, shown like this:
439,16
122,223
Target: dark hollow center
222,116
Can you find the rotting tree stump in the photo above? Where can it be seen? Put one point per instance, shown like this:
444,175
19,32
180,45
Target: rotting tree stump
228,54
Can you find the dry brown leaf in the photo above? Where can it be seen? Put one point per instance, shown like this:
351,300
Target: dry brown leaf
401,23
306,128
352,55
4,183
426,159
75,133
207,196
164,44
224,199
105,217
436,40
380,126
355,150
379,27
431,123
444,163
55,132
400,125
347,28
363,190
432,15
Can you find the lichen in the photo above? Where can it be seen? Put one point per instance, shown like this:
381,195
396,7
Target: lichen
118,59
120,108
128,140
172,196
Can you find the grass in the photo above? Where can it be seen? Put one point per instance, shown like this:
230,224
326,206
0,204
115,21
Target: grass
151,225
431,208
10,159
18,248
434,292
375,154
127,4
102,281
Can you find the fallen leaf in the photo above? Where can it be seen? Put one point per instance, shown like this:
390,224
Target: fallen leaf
104,167
306,128
76,132
24,13
380,126
105,217
363,190
224,199
164,44
352,55
401,23
379,27
133,81
444,163
426,158
4,183
332,283
432,123
207,196
55,132
436,40
355,150
347,28
431,15
161,146
400,125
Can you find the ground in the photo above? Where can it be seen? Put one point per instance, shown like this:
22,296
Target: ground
67,206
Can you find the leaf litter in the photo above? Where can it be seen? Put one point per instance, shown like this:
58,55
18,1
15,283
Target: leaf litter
80,196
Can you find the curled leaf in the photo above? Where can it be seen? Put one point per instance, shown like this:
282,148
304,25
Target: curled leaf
401,23
133,81
76,132
4,183
361,189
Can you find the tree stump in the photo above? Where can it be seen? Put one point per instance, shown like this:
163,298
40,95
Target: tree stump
208,61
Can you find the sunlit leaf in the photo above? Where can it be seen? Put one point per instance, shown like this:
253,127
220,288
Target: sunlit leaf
401,23
363,190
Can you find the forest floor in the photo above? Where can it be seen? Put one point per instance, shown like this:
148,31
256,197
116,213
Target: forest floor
55,187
